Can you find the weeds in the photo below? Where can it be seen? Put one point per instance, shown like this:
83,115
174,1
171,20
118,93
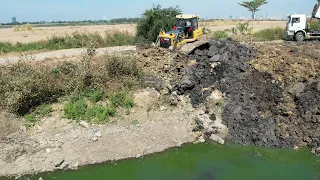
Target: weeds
36,115
270,34
118,66
81,106
121,99
68,41
220,35
26,27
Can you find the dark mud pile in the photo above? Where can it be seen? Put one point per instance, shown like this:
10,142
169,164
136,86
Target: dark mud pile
219,60
254,110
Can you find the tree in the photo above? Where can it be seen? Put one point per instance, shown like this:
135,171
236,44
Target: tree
253,6
155,19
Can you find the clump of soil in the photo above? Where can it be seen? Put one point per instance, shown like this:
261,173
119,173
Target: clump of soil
162,67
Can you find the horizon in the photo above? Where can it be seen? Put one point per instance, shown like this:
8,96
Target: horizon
72,10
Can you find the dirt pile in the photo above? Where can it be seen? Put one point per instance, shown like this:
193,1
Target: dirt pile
221,59
296,67
271,95
162,67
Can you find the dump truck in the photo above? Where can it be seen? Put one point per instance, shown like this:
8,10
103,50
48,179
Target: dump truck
299,29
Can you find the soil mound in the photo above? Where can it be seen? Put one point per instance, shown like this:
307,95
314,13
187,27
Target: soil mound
222,59
271,95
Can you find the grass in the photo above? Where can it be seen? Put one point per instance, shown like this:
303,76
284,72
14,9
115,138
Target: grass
75,40
270,34
80,106
41,111
220,35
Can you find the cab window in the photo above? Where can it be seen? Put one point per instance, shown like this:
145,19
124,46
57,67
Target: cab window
295,20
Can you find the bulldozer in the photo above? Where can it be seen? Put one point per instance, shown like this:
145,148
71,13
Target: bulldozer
185,36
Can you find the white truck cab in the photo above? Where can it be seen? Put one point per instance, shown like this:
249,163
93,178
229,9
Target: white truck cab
297,26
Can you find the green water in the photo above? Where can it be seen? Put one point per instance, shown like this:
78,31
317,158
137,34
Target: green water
204,161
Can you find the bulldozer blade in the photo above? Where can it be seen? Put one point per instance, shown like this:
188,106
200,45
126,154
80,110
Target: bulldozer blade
191,47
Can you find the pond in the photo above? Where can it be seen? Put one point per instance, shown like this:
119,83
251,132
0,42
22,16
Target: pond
207,161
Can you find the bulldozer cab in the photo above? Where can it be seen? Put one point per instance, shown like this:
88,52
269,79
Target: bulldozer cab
187,24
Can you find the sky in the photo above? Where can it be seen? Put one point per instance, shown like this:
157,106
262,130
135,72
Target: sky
48,10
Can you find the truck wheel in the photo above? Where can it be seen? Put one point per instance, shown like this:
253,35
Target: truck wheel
299,37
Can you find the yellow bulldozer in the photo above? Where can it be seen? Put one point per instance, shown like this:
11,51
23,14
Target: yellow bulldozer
185,35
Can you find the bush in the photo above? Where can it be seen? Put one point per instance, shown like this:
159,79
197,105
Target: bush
121,99
220,35
154,20
22,88
118,66
78,108
40,112
270,34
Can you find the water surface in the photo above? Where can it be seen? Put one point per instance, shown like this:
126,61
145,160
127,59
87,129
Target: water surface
204,162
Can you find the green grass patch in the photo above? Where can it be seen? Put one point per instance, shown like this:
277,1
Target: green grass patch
75,40
220,35
270,34
40,112
83,105
121,99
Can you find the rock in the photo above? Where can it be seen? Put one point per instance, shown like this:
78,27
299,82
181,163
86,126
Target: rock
213,117
84,124
318,88
98,134
58,163
48,150
163,108
297,88
201,139
217,139
40,178
94,139
75,166
215,58
296,148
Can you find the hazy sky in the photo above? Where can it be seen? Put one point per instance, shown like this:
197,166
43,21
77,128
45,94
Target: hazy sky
36,10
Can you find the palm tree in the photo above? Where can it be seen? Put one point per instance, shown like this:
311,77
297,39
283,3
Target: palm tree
253,6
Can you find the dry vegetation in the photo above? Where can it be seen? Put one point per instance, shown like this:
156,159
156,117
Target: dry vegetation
93,90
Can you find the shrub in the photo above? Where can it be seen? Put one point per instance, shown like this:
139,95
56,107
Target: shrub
270,34
75,109
40,112
122,66
28,27
100,114
22,88
220,35
155,19
121,99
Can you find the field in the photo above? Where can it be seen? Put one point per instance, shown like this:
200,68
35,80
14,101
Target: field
42,33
